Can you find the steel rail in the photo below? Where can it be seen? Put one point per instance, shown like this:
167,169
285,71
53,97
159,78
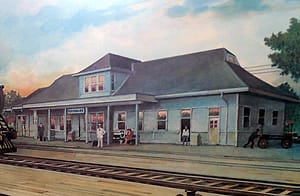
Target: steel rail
190,183
177,159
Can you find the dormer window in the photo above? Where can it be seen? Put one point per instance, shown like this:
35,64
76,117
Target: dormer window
100,82
93,83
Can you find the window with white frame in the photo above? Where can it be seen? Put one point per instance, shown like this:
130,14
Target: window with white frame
87,84
141,121
94,119
100,83
162,120
57,122
121,121
93,83
246,117
274,117
261,116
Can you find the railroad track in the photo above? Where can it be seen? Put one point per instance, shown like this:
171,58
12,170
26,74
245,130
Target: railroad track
178,159
190,183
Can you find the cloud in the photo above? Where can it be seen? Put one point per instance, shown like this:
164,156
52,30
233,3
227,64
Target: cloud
225,8
236,7
51,25
189,7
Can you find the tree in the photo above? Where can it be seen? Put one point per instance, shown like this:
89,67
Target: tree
285,87
286,47
12,98
292,110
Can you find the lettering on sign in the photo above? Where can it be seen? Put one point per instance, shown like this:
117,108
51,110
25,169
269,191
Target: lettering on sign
75,111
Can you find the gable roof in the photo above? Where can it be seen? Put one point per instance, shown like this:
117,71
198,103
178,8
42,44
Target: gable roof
195,72
110,61
202,71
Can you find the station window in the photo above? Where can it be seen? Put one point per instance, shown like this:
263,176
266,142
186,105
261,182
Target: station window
141,121
57,122
93,83
86,84
95,119
214,112
162,120
274,117
121,120
261,117
100,82
246,117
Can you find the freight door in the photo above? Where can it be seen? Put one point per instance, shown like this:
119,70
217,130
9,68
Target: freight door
213,130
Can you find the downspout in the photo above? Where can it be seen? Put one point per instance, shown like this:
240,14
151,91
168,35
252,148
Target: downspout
226,121
237,119
86,125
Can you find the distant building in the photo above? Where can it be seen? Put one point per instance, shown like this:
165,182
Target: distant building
208,91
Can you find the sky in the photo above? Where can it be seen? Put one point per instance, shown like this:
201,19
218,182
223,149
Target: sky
40,40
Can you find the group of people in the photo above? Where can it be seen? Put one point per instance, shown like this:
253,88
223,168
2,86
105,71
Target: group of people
127,137
185,136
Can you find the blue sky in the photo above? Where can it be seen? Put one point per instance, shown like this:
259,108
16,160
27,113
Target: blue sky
41,40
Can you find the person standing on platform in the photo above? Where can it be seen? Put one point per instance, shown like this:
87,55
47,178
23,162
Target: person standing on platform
185,135
41,131
100,134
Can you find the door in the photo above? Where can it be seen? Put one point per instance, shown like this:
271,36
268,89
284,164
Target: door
213,130
185,122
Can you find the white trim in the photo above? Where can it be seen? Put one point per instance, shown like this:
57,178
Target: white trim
94,100
265,93
102,70
92,72
201,93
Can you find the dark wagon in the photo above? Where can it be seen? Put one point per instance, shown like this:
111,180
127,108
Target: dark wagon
286,140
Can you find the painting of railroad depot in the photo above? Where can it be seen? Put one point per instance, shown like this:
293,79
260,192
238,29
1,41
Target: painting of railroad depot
149,98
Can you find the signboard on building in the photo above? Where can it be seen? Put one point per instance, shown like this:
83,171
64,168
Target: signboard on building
75,111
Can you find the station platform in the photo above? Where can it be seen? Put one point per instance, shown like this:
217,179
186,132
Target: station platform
273,153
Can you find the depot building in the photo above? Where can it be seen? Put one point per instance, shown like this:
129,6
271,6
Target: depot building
208,91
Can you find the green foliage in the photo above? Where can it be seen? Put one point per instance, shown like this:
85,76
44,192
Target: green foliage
292,110
285,87
286,47
12,98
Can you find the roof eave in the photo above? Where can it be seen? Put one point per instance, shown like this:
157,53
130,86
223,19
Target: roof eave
109,100
203,93
277,96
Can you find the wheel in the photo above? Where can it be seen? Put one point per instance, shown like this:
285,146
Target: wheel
263,143
286,143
